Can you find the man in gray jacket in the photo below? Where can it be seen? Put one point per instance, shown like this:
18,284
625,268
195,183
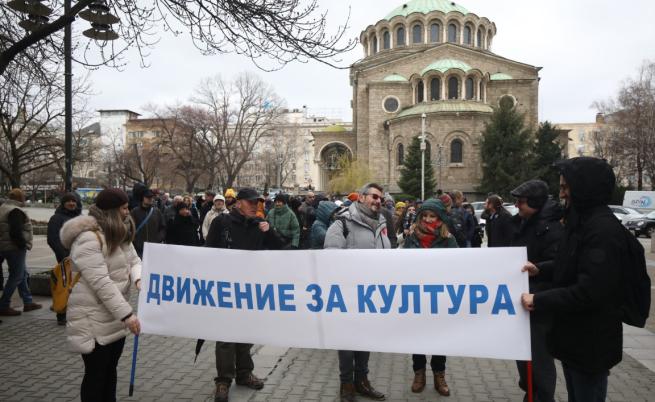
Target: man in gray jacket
365,228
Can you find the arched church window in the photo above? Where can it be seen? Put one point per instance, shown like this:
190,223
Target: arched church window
481,92
452,33
453,88
374,43
469,88
420,92
435,89
417,33
386,40
479,38
467,35
400,159
456,151
434,32
400,36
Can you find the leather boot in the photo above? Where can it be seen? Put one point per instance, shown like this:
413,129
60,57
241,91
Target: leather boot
364,388
222,392
440,383
419,381
347,392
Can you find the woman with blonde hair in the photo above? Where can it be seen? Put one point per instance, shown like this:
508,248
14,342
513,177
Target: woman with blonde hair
99,314
430,231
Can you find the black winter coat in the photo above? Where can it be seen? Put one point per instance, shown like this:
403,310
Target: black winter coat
235,231
182,231
585,300
61,216
500,229
154,231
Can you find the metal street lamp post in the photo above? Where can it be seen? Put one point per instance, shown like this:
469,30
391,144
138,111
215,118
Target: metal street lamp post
423,157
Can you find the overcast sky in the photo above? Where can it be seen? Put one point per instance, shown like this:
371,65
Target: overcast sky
586,48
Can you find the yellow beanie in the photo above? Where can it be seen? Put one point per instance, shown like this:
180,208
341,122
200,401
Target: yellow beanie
230,193
400,204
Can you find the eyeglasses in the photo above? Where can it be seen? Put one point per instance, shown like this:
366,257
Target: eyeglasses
375,196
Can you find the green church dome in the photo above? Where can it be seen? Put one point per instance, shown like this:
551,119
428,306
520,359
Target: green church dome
425,7
444,65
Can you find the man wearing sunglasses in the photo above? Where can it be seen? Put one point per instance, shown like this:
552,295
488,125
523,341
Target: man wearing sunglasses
365,228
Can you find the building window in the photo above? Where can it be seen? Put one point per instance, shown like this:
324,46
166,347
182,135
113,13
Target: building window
435,89
452,33
400,36
479,38
400,160
419,92
434,33
453,88
581,135
456,151
391,104
374,43
386,40
467,35
417,33
469,88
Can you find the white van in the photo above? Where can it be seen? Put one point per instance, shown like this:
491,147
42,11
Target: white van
641,200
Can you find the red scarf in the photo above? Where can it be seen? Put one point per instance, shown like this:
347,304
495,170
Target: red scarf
426,232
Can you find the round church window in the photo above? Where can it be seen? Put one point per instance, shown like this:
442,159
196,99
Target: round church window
507,102
391,104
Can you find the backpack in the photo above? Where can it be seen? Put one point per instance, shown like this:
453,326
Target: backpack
636,283
457,227
61,284
341,216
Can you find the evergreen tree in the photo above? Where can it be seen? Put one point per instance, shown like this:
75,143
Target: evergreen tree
546,152
410,174
505,150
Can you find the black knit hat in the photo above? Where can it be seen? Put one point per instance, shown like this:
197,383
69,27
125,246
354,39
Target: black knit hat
536,191
282,197
68,197
111,198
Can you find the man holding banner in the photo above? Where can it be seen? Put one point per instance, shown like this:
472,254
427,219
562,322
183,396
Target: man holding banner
362,227
241,229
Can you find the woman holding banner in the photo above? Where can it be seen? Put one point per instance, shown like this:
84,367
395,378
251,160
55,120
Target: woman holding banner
430,231
99,315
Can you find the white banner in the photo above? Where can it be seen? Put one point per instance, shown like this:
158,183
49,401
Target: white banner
454,302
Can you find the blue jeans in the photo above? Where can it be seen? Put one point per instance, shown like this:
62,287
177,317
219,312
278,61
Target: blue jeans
585,387
353,366
17,278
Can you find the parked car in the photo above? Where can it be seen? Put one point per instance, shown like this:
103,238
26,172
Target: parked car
511,208
626,214
478,207
643,226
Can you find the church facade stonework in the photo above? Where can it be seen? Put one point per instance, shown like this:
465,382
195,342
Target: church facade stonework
430,62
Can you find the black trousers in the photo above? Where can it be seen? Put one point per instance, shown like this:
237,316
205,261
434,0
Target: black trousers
99,383
544,374
437,363
353,366
233,360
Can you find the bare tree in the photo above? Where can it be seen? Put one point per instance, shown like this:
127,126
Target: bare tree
632,120
243,112
279,30
279,151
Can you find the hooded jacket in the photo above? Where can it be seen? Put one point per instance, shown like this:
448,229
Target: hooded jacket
61,216
437,207
99,301
238,232
360,234
586,297
284,221
319,228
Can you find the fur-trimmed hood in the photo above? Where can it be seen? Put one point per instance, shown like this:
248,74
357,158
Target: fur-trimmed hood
75,227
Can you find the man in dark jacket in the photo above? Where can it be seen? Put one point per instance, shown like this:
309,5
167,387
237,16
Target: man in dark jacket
240,229
154,229
539,230
586,298
68,209
499,225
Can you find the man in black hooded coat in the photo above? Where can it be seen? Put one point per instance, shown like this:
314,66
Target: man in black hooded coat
586,295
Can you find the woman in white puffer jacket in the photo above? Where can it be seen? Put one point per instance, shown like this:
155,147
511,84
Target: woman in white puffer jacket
99,315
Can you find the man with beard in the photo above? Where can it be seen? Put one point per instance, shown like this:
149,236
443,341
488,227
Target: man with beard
241,229
539,230
366,229
587,291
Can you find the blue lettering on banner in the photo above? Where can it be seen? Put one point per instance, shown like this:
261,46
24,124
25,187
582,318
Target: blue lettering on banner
433,291
203,292
265,297
456,297
364,298
223,291
335,300
316,297
286,297
387,297
405,290
167,292
503,301
478,294
245,295
184,290
153,289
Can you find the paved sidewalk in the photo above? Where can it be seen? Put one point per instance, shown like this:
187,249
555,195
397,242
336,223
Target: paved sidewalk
36,367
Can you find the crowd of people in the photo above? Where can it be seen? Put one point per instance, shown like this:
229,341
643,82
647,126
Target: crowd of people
574,249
